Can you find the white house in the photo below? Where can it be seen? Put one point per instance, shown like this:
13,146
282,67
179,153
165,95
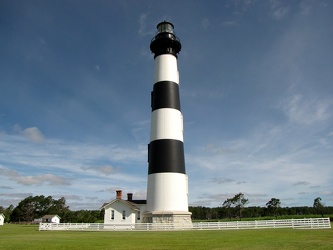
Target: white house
51,218
119,211
2,219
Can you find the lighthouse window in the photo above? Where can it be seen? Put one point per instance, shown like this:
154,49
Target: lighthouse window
165,27
112,214
124,214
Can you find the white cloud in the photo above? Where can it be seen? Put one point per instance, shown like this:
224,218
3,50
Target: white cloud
34,180
278,11
280,159
305,9
140,130
106,170
110,189
71,168
307,110
301,183
142,26
326,193
6,199
33,134
242,5
72,197
229,23
220,180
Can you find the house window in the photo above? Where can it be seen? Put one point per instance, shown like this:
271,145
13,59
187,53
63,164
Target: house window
124,214
138,215
112,214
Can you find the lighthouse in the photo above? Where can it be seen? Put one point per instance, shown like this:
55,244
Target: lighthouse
167,188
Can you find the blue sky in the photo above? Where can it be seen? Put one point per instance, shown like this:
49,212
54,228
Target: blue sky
256,95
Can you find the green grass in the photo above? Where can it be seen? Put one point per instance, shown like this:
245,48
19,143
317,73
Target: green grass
281,217
28,237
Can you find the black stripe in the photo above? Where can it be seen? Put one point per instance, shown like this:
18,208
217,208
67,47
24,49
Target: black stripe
166,155
165,95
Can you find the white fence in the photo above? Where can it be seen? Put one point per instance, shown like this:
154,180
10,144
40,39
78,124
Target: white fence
310,223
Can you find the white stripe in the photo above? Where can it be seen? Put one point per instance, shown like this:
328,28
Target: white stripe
166,123
165,68
167,192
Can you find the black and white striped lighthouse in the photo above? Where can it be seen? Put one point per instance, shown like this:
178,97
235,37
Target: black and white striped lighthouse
167,191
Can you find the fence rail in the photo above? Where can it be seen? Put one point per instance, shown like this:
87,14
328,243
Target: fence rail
309,223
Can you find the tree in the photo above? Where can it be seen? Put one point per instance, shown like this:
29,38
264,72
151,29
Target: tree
239,202
58,207
8,212
227,204
36,207
199,213
253,211
318,206
273,206
236,203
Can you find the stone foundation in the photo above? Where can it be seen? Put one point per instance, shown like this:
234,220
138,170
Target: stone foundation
176,218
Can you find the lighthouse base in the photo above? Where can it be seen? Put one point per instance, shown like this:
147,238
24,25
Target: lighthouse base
178,219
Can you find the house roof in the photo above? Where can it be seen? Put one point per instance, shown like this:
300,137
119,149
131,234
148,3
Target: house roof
3,215
132,204
50,216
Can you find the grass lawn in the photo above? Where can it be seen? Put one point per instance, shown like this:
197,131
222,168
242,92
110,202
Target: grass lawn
28,237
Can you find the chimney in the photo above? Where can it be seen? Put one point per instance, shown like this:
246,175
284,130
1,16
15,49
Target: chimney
129,196
118,194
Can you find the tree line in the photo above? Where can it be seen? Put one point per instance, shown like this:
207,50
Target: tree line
235,208
35,207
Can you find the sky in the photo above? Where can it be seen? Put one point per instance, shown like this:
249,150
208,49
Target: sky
256,88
